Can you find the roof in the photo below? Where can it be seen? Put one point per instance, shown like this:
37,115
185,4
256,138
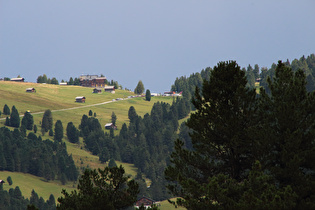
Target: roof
109,87
17,79
30,88
80,97
108,124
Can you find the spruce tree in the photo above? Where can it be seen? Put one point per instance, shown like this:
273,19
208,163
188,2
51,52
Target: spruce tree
58,131
14,118
28,121
220,135
287,133
6,110
47,121
148,95
139,89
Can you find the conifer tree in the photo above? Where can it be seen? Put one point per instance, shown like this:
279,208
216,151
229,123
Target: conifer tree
148,95
14,118
6,110
58,131
47,121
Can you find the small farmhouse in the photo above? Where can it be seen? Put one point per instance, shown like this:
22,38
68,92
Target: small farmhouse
110,89
80,99
146,202
20,79
63,83
97,90
30,90
110,126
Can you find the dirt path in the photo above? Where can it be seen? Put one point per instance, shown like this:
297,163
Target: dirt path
78,107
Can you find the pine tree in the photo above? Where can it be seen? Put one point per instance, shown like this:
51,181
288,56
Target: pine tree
6,110
28,121
114,118
58,131
47,121
220,134
148,95
14,118
139,89
286,132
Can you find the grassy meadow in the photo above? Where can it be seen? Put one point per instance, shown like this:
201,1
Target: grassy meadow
61,101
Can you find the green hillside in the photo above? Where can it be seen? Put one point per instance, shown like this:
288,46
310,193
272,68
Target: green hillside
61,101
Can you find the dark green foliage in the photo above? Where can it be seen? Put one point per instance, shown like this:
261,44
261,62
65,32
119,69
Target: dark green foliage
14,118
37,202
287,132
47,121
51,132
28,121
35,128
34,156
94,114
148,95
102,189
54,81
9,179
90,113
139,89
231,128
114,118
6,110
58,131
42,79
7,121
132,114
112,163
72,133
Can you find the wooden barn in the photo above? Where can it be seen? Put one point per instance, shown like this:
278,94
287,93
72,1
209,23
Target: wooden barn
110,89
80,99
146,202
110,126
97,90
30,90
20,79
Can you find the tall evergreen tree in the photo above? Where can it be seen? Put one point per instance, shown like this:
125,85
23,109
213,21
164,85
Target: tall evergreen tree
114,118
58,131
72,133
14,118
28,121
47,121
220,137
287,133
140,88
148,95
6,109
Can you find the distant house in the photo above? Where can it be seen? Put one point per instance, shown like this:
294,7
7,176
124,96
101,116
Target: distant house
1,181
146,202
110,126
92,81
30,90
63,83
80,99
110,89
97,90
20,79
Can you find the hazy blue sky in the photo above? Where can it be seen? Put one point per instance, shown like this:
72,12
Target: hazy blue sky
152,41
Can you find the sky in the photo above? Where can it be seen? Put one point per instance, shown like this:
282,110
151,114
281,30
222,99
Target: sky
152,41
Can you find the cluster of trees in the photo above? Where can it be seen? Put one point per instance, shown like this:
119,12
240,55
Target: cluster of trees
247,150
44,79
101,189
146,142
13,199
33,155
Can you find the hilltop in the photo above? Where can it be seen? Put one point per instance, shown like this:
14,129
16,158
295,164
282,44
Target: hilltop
61,101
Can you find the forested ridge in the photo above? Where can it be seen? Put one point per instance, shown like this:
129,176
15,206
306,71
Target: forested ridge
247,150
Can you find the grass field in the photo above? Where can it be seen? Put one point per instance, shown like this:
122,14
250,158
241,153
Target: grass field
56,98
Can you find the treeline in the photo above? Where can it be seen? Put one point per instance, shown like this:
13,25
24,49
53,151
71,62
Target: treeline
13,199
146,142
72,81
32,155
